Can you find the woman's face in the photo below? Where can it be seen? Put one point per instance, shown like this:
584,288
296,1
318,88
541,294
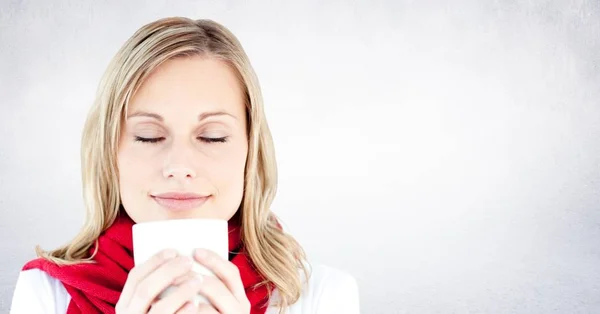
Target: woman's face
183,146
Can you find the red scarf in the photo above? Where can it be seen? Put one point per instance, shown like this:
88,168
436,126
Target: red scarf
96,288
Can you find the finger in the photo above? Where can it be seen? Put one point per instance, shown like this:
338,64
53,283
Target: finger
183,278
219,295
178,298
206,309
224,270
139,272
157,281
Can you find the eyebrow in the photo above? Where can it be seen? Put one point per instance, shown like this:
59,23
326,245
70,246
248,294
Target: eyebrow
158,117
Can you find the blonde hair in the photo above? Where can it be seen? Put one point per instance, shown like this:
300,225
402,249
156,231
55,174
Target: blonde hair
276,255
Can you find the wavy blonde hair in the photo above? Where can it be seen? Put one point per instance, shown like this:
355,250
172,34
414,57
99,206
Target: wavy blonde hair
276,255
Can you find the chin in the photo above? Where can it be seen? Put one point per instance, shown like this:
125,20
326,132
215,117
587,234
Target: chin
200,213
155,213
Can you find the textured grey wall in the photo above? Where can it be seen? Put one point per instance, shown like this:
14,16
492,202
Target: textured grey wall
445,153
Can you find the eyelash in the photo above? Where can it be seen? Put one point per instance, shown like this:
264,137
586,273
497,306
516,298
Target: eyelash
209,140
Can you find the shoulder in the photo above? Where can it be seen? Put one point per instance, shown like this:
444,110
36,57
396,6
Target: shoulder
327,290
38,292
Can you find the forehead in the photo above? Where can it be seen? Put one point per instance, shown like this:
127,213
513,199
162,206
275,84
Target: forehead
185,84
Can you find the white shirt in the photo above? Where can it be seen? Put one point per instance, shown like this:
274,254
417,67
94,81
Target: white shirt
328,291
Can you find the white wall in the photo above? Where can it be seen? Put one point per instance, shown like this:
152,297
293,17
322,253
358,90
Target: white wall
445,154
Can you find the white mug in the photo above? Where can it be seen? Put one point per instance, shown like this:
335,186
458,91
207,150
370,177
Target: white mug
184,236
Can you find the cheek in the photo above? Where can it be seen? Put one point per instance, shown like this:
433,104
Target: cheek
229,180
133,175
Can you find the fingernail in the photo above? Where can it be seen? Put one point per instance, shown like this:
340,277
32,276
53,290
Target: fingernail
201,253
169,254
188,261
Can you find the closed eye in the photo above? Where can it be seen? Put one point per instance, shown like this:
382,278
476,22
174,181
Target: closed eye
148,140
159,139
213,139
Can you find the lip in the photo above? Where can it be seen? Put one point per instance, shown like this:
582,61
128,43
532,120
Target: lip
179,195
177,201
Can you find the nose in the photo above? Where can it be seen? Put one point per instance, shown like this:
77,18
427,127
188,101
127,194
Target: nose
179,163
178,172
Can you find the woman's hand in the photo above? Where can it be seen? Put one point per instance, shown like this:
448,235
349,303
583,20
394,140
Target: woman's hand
225,291
146,281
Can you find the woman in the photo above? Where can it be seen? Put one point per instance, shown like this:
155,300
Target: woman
179,115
